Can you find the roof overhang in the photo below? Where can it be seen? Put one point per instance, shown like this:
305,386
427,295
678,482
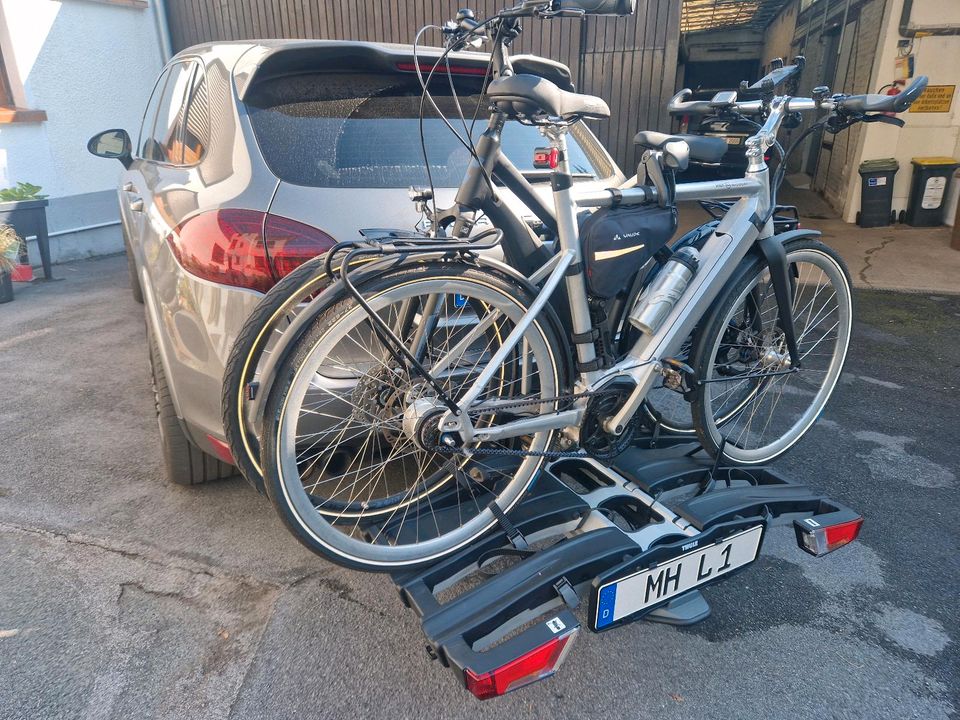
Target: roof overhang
712,15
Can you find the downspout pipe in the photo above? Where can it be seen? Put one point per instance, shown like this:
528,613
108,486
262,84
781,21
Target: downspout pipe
911,31
163,29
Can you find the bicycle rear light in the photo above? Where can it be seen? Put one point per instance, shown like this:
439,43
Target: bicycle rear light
537,664
819,536
546,158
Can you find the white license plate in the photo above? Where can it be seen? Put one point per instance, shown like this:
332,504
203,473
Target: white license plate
733,140
645,588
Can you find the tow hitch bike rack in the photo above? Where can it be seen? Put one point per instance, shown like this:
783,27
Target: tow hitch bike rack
636,540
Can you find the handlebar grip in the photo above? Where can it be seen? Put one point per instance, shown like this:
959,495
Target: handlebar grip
885,103
679,106
600,7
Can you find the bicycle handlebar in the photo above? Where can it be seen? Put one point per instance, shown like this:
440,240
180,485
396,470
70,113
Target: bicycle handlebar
548,8
599,7
850,104
679,105
883,103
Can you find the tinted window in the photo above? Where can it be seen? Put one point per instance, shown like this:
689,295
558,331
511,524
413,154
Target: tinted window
196,129
328,130
146,128
164,143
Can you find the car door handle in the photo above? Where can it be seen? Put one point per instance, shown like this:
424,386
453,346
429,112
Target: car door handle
136,205
129,187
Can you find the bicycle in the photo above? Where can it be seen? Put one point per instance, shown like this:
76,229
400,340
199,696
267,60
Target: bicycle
432,383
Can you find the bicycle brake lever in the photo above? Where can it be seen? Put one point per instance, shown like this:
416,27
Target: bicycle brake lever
883,119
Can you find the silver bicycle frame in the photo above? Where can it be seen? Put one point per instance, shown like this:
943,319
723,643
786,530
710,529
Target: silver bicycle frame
747,220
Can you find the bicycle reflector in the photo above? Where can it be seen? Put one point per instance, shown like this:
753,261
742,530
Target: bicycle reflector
822,534
537,664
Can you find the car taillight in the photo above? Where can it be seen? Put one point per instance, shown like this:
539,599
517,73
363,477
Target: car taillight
290,243
245,248
537,664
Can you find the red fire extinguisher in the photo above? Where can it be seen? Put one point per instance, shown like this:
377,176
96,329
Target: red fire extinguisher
892,89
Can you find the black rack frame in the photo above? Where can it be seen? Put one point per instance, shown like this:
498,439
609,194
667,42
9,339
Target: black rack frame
596,524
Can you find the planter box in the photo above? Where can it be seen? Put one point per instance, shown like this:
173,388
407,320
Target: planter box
29,218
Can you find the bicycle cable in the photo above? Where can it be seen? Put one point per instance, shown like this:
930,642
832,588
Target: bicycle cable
427,95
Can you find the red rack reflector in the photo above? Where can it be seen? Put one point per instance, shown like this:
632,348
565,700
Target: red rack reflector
819,539
537,664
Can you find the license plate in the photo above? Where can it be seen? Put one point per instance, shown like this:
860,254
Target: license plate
646,588
733,140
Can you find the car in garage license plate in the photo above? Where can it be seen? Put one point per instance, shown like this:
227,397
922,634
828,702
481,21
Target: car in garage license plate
647,588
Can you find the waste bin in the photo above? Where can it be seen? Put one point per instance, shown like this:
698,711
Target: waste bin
876,192
928,189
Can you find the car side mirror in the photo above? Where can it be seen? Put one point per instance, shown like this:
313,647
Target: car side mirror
113,144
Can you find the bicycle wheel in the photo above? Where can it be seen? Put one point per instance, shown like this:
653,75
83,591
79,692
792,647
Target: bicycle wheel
257,337
351,452
741,359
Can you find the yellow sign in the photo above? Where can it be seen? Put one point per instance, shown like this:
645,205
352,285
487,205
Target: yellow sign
935,99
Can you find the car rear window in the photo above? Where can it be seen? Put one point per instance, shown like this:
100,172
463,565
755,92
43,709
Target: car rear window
362,130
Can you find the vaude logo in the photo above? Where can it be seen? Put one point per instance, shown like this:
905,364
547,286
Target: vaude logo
618,236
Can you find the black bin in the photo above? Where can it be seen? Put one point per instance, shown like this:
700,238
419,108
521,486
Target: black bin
928,190
876,192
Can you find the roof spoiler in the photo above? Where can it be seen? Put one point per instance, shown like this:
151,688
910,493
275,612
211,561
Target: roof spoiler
275,59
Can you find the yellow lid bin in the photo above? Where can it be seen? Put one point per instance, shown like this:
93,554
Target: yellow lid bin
928,190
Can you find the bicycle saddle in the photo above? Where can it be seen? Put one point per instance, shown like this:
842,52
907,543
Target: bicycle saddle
702,149
530,95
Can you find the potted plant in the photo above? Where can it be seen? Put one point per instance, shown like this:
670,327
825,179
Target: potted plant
24,208
9,257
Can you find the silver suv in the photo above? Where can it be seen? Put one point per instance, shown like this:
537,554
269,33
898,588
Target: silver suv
256,156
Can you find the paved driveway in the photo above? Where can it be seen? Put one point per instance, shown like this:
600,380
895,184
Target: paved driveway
124,597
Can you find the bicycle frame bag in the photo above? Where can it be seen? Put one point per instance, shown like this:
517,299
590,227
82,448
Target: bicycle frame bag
618,241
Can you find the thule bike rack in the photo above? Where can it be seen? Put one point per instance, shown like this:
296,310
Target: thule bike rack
636,540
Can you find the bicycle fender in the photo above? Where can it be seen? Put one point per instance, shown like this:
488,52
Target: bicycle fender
295,331
774,253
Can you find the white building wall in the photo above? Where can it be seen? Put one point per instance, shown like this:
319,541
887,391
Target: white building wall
925,134
91,66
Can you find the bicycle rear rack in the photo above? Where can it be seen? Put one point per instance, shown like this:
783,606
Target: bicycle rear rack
594,528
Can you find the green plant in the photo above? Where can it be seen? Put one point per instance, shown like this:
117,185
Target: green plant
22,191
9,248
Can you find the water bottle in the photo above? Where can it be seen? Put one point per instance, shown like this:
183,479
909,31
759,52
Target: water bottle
659,297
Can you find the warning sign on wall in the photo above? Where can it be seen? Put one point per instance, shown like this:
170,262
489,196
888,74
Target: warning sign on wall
935,99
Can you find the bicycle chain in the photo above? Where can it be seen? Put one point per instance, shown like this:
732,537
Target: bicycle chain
504,452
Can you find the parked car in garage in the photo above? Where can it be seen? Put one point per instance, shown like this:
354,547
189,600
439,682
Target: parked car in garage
255,156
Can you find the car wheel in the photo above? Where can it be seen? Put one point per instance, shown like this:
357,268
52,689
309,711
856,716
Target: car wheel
135,289
183,462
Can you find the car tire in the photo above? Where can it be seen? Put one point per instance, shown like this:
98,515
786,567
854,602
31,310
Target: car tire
183,462
135,288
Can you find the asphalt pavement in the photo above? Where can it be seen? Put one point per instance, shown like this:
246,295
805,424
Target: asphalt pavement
122,596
